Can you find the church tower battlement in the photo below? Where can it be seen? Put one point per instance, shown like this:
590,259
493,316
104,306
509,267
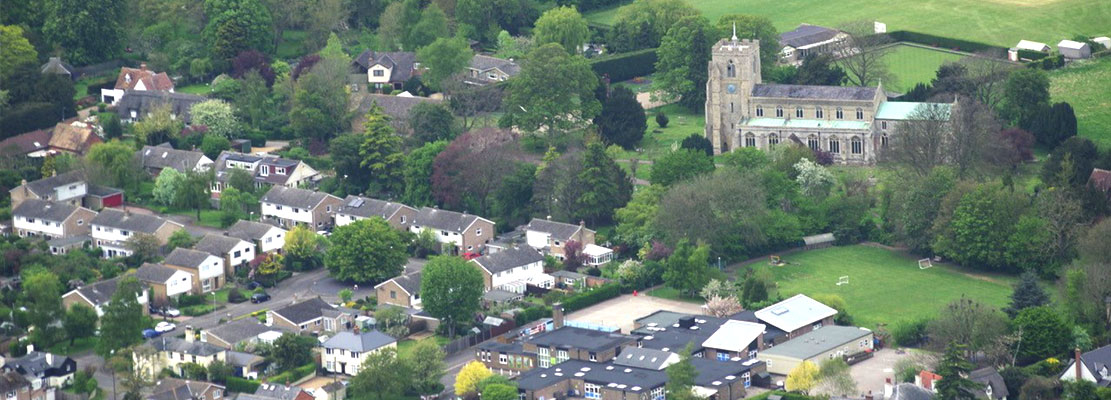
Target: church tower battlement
733,71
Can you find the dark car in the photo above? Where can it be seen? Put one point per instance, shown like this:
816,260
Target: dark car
259,297
151,333
253,285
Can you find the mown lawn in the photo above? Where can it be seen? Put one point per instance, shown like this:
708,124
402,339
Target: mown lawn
998,22
885,286
658,141
197,88
79,346
405,347
1087,87
911,65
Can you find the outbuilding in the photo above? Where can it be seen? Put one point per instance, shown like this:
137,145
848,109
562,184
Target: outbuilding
817,346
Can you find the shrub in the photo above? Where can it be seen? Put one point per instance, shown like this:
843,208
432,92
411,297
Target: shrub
532,314
239,385
624,66
661,119
235,296
295,374
910,333
1031,55
586,299
187,300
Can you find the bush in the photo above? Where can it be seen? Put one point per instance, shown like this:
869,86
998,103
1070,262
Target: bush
293,375
239,385
910,333
235,296
586,299
625,66
187,300
197,310
27,117
661,119
1031,55
532,314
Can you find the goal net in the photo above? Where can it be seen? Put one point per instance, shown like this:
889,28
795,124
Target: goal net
925,263
844,280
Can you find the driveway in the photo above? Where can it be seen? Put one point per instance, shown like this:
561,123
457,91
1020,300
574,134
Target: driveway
871,373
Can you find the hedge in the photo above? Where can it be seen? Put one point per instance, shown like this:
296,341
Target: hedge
236,384
586,299
293,375
943,42
587,5
26,117
625,66
1031,54
532,314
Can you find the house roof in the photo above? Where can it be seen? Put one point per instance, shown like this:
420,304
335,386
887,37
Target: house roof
450,221
565,274
187,258
639,357
239,330
906,110
55,65
43,209
45,186
69,241
143,102
362,342
100,292
1096,360
1100,179
250,230
367,207
304,311
484,63
508,259
26,143
241,359
735,336
581,338
1071,44
780,91
712,373
294,197
178,345
806,34
281,392
636,380
218,245
129,78
154,273
36,362
500,296
12,381
795,312
770,332
908,391
1031,45
409,282
177,389
819,341
76,137
141,223
558,230
988,376
158,157
401,63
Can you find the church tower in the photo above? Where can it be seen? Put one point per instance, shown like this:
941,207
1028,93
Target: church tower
733,71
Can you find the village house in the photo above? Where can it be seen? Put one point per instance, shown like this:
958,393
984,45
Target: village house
313,316
551,237
465,233
267,238
513,269
797,315
387,70
807,40
1094,366
232,334
17,387
156,158
51,220
29,144
345,352
98,295
401,291
72,137
290,206
817,346
235,252
112,228
992,386
355,208
267,170
70,187
484,70
136,106
43,368
165,283
207,270
177,389
396,107
131,79
172,352
278,392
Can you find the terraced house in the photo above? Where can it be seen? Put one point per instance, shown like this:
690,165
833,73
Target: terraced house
112,228
289,207
356,208
461,232
51,220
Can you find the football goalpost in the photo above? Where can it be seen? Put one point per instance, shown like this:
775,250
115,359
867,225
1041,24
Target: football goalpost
844,280
925,263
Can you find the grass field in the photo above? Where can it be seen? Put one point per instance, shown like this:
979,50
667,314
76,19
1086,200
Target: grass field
657,141
913,64
197,88
884,286
999,22
1087,87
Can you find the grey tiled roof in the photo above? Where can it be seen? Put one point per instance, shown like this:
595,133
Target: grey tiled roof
45,186
304,311
239,330
450,221
280,392
362,342
400,62
42,209
509,259
989,376
397,107
100,292
806,34
163,157
817,342
177,389
368,207
410,282
776,90
178,345
69,241
250,230
13,381
187,258
293,197
558,230
241,359
909,391
155,273
36,363
483,63
217,245
141,223
145,101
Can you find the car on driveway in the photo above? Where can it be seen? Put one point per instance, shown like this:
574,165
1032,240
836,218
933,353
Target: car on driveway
165,326
171,312
253,285
151,333
259,297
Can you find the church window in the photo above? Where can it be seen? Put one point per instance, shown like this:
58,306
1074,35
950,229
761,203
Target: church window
773,139
818,112
859,113
883,141
840,114
759,111
857,145
812,142
778,112
750,140
730,106
798,112
834,146
730,70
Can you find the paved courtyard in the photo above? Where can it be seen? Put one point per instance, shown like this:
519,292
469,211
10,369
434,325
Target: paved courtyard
870,374
622,311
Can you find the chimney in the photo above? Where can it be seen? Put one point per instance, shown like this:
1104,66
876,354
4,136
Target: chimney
143,66
50,358
557,315
23,184
189,336
1076,360
582,223
888,388
30,348
356,329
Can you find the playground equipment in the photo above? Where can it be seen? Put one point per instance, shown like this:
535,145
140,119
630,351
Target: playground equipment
776,261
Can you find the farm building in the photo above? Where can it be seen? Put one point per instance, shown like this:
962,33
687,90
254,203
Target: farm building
1032,46
817,346
1074,50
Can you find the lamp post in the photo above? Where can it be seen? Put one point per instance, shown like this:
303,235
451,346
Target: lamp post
115,396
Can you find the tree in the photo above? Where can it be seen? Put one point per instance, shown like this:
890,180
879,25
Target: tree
987,76
698,142
344,150
418,172
291,351
680,377
319,108
469,376
367,251
180,239
212,145
553,93
679,166
954,383
235,26
111,124
271,264
814,180
382,374
1028,293
79,322
1093,245
253,60
622,121
563,26
835,378
725,210
235,205
166,186
43,288
195,191
681,61
818,69
451,289
469,102
687,269
603,184
1044,333
219,371
915,207
634,220
218,116
143,247
157,127
498,391
58,91
969,139
981,220
749,26
513,47
17,50
802,378
113,164
122,323
1070,164
642,24
391,26
967,322
443,58
89,32
303,245
381,151
1054,124
433,24
864,52
431,121
723,307
468,172
511,200
425,365
1025,94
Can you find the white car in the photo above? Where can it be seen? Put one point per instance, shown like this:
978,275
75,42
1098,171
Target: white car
164,326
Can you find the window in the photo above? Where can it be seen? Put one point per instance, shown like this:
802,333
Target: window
818,113
331,366
773,139
265,170
883,125
217,393
857,145
730,70
657,394
750,140
543,357
592,391
379,73
443,233
503,359
883,141
478,231
831,355
840,114
798,112
279,208
393,294
403,219
730,106
561,356
778,112
279,170
859,113
812,142
834,146
748,379
752,354
817,325
768,362
723,356
328,208
759,111
593,356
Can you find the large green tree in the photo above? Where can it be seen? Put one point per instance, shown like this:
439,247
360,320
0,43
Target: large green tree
15,50
680,165
381,151
750,26
622,120
431,121
89,31
564,26
681,61
218,116
954,370
319,109
643,23
418,173
383,374
451,288
122,323
44,292
113,164
972,231
687,269
432,25
1044,333
680,377
1025,95
292,350
444,57
79,322
347,162
1027,293
425,364
367,251
554,92
235,26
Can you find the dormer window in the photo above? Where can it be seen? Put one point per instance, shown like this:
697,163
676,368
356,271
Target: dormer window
127,78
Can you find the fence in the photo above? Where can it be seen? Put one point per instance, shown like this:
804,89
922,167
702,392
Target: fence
458,345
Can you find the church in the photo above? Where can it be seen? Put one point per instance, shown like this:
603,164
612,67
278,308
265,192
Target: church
851,123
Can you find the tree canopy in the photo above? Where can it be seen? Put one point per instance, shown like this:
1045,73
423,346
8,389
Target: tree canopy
554,92
563,26
366,251
451,288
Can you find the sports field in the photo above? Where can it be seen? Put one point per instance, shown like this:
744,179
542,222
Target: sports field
1087,87
885,286
999,22
911,65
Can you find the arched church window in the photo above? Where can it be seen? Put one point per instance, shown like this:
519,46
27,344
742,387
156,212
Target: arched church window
834,145
859,113
883,141
857,145
812,142
798,112
840,114
778,112
818,113
730,106
759,111
773,139
730,70
750,140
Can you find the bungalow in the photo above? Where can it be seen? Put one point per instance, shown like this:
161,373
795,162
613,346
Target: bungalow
290,206
171,352
1094,366
135,106
551,237
513,269
355,208
402,291
817,346
267,238
485,69
313,315
345,352
396,107
50,220
72,137
232,334
177,389
207,270
267,170
112,228
97,295
165,283
235,252
156,158
808,40
464,232
131,79
387,70
31,144
46,369
797,315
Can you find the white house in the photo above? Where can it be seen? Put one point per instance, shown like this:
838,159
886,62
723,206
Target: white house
267,238
513,269
346,351
69,187
292,206
51,220
1093,367
207,269
112,228
550,237
172,352
139,79
236,252
164,282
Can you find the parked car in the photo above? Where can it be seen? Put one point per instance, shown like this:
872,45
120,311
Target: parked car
151,333
171,312
253,285
259,297
470,256
165,326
